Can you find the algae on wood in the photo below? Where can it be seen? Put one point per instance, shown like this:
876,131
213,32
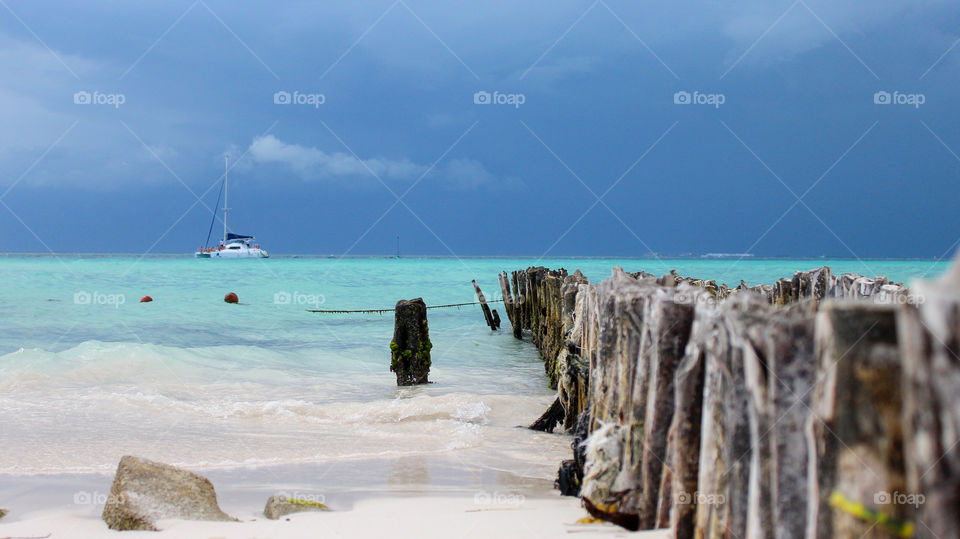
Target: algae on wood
410,347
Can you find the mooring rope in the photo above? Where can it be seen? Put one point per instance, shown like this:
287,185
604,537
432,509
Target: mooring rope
381,311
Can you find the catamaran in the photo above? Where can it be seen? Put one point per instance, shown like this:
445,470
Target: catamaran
232,245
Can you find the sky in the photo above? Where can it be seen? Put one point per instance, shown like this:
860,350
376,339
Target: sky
798,128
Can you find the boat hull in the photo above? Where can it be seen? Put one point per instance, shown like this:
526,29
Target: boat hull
234,253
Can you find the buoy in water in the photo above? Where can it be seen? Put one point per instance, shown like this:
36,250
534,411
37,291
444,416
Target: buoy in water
231,298
146,299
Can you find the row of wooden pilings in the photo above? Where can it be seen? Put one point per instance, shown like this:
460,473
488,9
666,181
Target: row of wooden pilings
819,406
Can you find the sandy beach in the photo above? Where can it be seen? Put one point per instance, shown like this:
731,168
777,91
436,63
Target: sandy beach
413,516
502,504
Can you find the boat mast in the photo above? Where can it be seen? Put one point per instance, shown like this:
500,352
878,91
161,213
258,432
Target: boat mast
226,169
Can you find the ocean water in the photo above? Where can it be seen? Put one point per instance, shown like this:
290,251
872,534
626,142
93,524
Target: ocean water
88,374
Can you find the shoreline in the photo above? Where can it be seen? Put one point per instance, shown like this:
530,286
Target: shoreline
423,498
396,516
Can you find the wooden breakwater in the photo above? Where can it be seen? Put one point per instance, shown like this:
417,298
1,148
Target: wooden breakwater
820,406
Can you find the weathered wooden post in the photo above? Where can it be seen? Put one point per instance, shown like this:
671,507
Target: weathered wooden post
410,348
856,430
508,304
683,440
494,324
929,333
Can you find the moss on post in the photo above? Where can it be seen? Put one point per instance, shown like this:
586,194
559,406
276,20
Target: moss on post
410,347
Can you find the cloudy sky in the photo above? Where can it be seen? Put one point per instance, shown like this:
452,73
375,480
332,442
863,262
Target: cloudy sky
592,127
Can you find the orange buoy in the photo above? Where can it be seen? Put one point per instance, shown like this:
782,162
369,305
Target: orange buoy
231,298
146,299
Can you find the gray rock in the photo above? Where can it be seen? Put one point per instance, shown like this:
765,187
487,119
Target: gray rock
279,505
144,492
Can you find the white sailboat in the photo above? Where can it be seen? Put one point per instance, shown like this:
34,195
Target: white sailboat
232,245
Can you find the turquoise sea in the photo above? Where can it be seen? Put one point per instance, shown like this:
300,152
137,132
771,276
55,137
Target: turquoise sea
87,373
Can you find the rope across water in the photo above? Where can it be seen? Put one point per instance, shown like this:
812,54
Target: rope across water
381,311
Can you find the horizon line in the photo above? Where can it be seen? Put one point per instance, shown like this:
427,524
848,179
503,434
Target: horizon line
730,257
